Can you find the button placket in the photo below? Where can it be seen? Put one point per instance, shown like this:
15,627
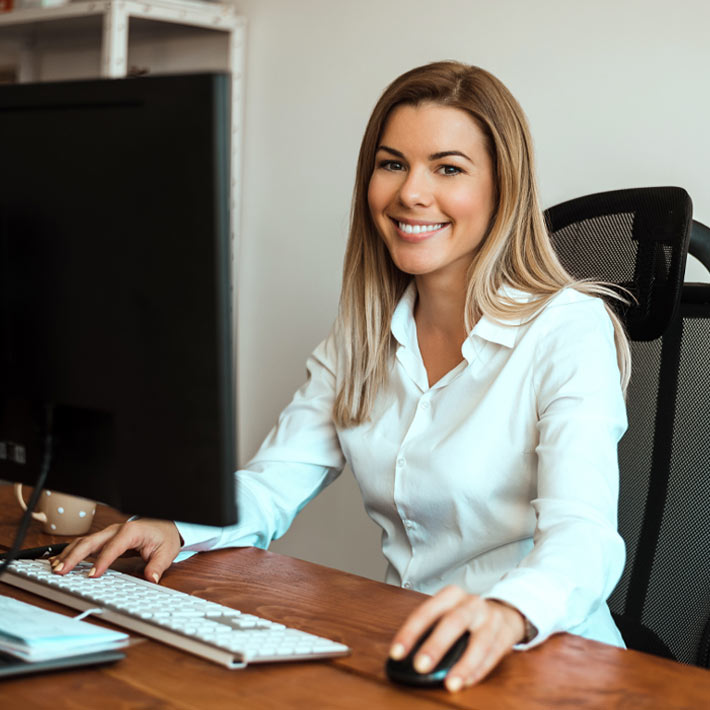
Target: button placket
403,482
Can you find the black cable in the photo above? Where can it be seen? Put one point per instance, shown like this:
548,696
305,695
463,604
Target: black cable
41,479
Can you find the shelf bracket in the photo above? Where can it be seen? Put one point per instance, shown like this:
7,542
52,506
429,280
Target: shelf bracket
114,51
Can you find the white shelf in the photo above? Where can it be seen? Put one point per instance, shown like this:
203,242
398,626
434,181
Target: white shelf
216,16
111,21
37,25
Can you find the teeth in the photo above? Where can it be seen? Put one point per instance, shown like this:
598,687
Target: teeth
419,228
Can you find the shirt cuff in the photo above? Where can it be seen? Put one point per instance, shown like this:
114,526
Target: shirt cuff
198,537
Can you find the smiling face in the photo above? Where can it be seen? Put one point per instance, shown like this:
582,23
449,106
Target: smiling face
432,193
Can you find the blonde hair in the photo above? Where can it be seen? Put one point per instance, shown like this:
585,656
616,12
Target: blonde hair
516,251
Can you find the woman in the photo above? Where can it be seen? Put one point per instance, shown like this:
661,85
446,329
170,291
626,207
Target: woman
475,389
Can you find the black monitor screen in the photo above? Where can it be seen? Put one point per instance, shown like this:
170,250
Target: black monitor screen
115,300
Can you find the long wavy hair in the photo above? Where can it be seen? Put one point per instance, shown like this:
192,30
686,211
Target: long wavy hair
516,250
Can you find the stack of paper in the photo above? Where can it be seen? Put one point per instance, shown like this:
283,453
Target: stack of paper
35,634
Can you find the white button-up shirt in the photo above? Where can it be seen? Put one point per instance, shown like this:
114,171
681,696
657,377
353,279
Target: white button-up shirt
502,477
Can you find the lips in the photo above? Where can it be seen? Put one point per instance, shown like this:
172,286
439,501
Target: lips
412,231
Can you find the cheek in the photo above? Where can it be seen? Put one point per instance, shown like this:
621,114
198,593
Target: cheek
467,206
373,196
379,194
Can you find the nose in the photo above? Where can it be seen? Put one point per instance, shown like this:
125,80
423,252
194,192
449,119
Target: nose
416,189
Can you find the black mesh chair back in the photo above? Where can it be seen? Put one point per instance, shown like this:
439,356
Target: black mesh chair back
637,239
640,239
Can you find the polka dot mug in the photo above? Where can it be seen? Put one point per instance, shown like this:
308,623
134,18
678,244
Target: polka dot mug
59,513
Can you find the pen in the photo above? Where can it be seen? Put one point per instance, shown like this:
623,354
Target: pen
36,553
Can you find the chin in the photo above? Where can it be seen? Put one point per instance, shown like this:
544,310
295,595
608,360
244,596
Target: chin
414,269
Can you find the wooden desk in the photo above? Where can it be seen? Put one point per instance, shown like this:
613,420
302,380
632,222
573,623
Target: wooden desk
566,672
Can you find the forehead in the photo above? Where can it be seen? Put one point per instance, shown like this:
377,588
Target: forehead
431,128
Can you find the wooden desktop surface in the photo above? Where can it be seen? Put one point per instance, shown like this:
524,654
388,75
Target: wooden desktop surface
565,672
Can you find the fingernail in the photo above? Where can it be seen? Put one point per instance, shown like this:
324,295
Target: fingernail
155,577
397,652
454,683
92,572
422,663
59,567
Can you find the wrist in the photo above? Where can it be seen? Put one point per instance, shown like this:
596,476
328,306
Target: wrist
526,631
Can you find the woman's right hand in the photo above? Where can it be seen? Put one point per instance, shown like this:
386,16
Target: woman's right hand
157,541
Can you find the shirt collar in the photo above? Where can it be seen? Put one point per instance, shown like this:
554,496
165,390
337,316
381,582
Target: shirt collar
403,326
502,332
479,346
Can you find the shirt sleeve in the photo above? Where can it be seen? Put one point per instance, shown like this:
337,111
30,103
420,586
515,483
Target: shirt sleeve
577,555
298,459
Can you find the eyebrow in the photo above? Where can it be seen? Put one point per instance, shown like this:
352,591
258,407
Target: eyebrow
433,156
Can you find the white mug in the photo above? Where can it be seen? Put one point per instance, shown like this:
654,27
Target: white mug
59,513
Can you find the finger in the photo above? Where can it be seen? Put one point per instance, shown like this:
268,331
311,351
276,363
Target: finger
493,636
157,541
161,556
422,619
495,653
130,536
158,562
485,649
468,614
81,548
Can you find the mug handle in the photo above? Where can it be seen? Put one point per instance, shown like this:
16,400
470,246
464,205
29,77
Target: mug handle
42,517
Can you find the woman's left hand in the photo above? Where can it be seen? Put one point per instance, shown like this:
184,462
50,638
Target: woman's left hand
495,628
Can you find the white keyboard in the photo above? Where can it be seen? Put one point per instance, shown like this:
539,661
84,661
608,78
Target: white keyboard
207,629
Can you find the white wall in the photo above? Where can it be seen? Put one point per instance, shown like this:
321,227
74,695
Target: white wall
617,94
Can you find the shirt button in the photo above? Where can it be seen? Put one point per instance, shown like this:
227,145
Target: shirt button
401,461
424,404
408,524
407,585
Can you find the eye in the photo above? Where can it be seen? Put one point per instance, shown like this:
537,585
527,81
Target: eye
449,170
390,164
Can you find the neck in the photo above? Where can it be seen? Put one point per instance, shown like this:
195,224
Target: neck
441,305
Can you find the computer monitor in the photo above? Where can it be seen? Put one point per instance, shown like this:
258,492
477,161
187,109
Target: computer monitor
115,298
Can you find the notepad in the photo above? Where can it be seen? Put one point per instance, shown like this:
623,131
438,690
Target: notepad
35,634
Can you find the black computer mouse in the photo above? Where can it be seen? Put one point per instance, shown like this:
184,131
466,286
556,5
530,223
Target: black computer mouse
403,671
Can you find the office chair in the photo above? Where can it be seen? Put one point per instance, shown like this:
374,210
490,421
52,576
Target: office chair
639,239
